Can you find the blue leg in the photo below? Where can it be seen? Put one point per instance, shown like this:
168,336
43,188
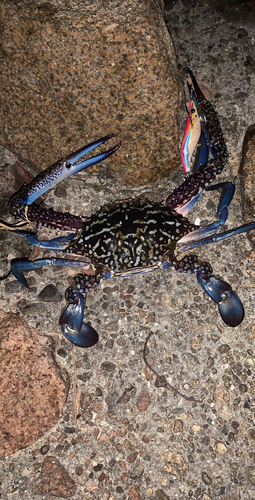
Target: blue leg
218,237
222,212
18,266
55,244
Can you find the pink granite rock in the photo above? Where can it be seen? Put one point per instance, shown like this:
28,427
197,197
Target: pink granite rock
72,72
33,388
54,480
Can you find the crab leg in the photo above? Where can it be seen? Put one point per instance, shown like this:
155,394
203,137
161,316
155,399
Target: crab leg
216,237
18,266
55,244
226,198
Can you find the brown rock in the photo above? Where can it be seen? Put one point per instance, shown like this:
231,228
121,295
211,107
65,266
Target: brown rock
32,386
148,373
71,73
131,458
122,430
161,381
143,400
248,179
134,493
12,178
54,480
178,425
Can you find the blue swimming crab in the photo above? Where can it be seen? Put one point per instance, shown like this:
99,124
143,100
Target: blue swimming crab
134,236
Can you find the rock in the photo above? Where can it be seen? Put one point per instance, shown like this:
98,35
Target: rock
220,448
71,73
161,495
50,293
33,385
54,480
108,366
248,179
143,400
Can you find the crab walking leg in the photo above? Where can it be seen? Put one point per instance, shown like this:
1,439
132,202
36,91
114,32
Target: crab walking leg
56,244
18,266
216,237
222,212
229,304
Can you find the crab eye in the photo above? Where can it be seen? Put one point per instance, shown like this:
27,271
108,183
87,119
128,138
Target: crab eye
192,110
68,164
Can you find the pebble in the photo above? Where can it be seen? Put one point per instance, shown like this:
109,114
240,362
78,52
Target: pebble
50,294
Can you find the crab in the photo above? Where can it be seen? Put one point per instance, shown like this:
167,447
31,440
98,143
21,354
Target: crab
134,236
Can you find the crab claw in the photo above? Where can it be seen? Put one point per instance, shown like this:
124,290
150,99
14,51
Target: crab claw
229,305
59,171
79,333
191,136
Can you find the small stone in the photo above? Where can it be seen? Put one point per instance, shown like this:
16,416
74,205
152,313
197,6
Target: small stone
122,430
84,377
178,425
69,430
235,424
79,470
143,400
107,366
98,467
161,495
54,480
206,479
102,477
196,427
220,448
191,361
99,392
50,294
62,352
109,344
134,493
150,318
243,388
252,434
224,348
44,449
161,381
132,457
103,438
13,287
119,489
85,400
87,416
137,471
250,472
